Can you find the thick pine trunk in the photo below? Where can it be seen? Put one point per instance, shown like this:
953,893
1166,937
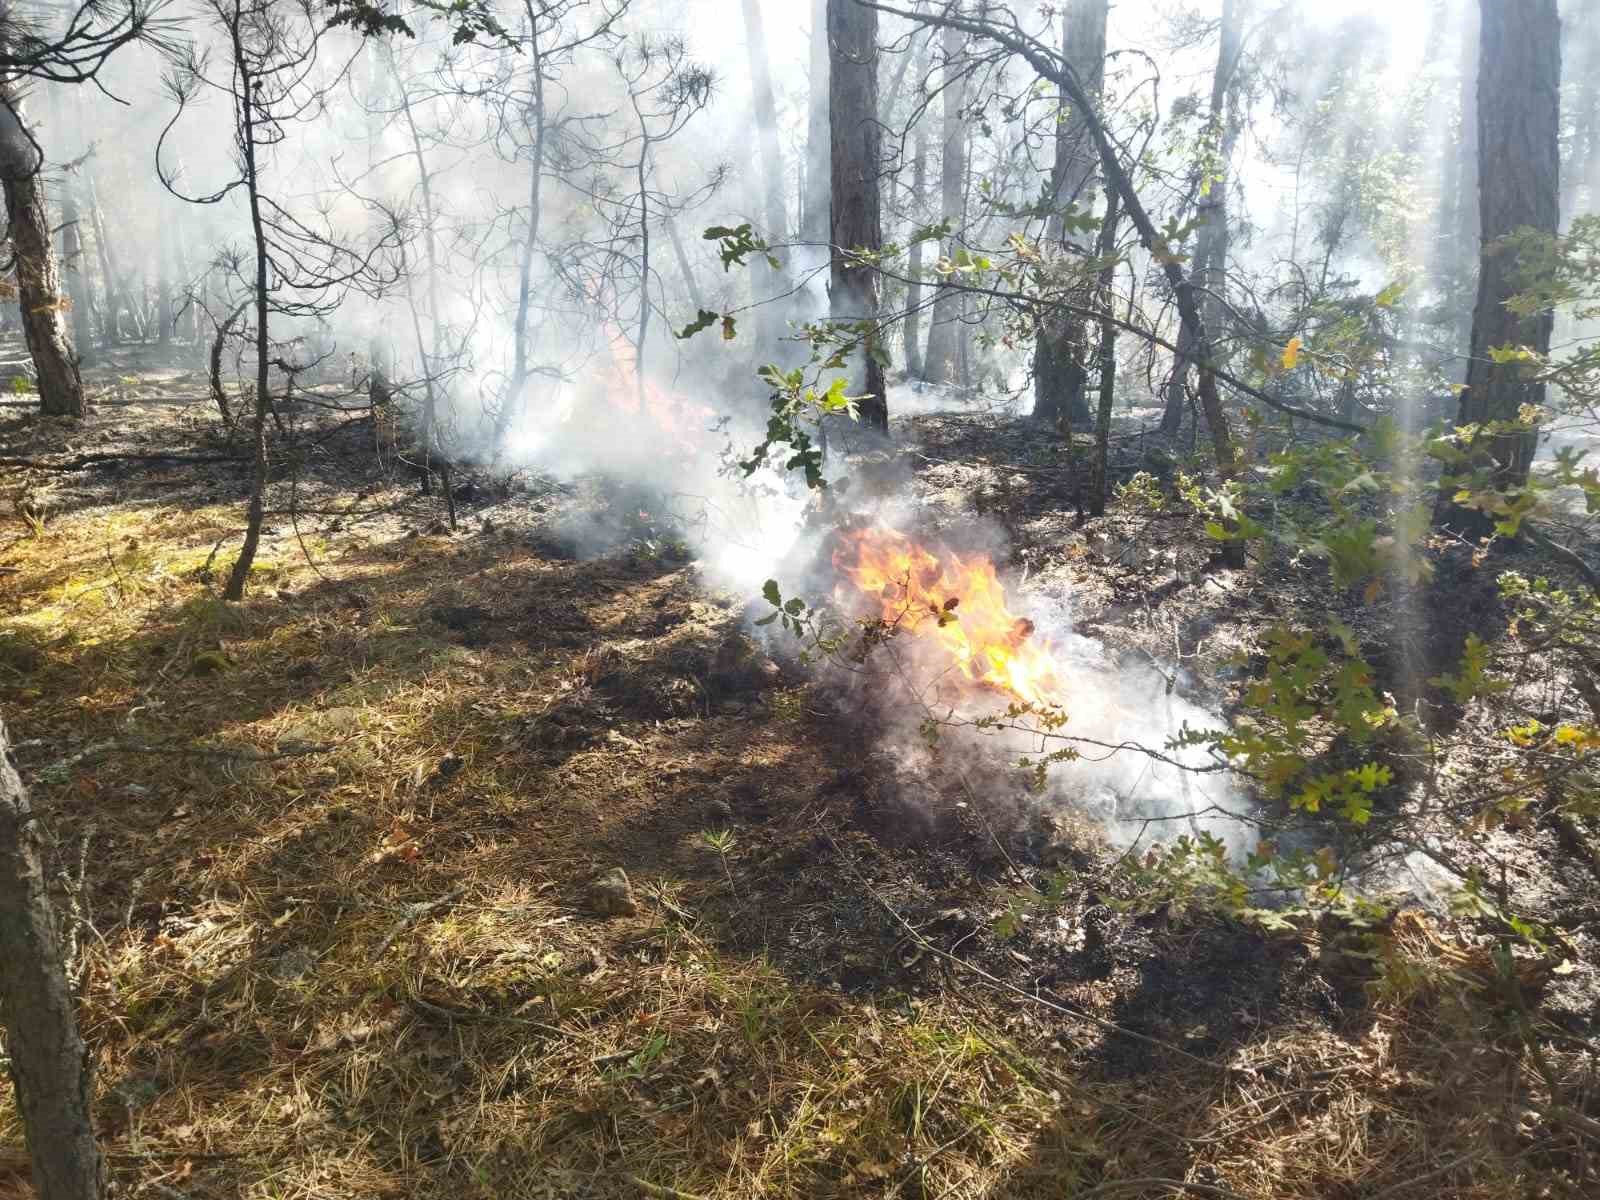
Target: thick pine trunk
49,1066
1519,122
855,139
38,287
1061,348
943,361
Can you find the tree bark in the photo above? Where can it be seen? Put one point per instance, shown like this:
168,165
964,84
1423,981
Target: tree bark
49,1065
1060,349
942,363
38,286
1519,125
855,150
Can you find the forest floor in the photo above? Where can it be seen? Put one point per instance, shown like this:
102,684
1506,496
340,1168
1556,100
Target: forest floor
333,854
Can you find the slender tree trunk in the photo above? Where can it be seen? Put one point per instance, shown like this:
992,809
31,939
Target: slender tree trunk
685,267
432,353
1462,189
49,1065
1098,468
919,189
110,333
117,296
1209,266
855,140
942,364
815,226
1577,169
258,429
80,283
166,310
38,288
769,318
1061,346
511,408
766,113
1519,124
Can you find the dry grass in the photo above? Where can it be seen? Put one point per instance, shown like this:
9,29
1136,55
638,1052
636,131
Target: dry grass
367,972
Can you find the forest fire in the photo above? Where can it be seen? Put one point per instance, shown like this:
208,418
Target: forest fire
955,602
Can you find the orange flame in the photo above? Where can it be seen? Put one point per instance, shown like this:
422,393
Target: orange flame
955,602
682,419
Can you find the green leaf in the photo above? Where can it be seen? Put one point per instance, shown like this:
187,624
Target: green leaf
705,320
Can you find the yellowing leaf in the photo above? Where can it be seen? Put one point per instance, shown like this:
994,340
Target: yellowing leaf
1291,353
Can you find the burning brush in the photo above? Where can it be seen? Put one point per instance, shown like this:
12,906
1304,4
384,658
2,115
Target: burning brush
950,601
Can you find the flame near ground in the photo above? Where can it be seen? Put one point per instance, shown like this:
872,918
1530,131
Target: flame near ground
966,652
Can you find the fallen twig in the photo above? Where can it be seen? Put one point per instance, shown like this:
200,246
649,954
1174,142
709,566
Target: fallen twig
102,749
414,913
82,461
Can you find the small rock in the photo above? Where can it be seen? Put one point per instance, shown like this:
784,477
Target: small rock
611,895
719,813
294,963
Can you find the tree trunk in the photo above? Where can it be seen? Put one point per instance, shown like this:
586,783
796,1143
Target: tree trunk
1519,125
1060,349
1208,269
49,1065
511,406
38,288
766,113
1576,171
80,284
942,364
919,188
1098,468
166,309
256,510
1461,219
117,297
855,145
432,351
815,226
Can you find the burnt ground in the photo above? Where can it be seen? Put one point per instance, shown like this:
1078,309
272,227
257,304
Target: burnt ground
334,853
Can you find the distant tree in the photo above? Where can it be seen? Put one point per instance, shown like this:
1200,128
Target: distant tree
947,329
1210,188
73,53
1519,122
